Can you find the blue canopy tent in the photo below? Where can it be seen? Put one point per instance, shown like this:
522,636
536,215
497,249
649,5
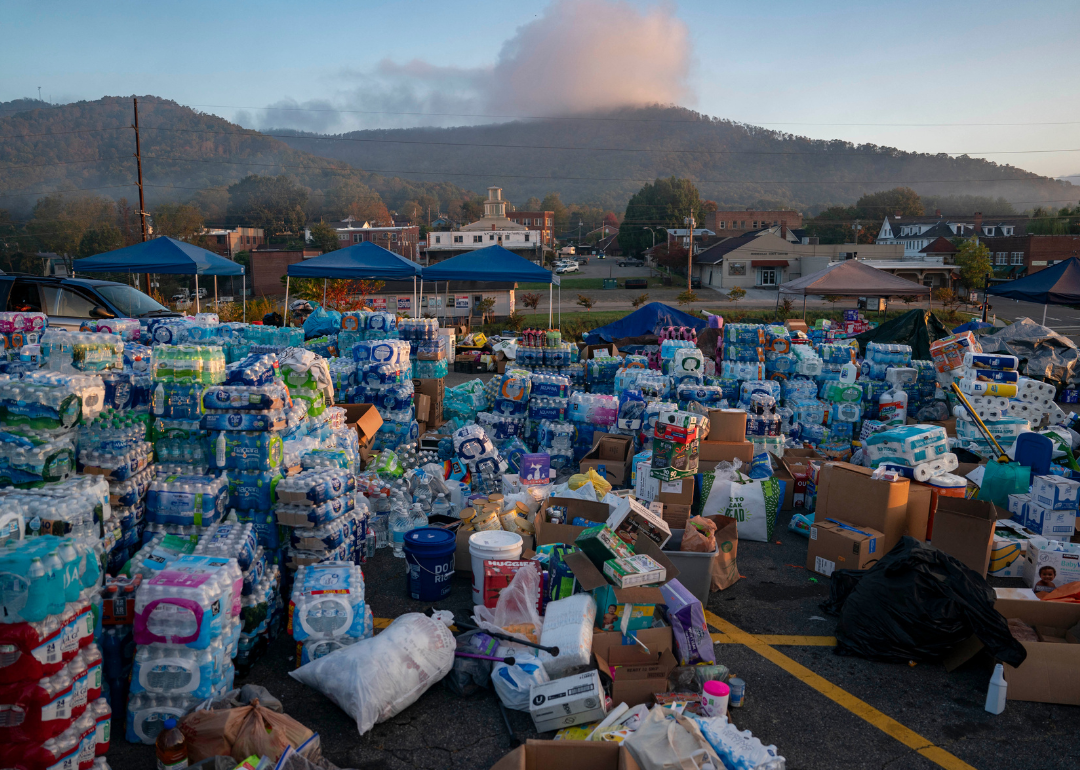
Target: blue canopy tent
493,263
364,260
1056,285
643,321
166,256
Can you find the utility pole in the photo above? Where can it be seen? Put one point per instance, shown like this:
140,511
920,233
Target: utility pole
690,254
142,201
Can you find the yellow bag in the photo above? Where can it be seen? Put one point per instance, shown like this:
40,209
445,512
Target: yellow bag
600,484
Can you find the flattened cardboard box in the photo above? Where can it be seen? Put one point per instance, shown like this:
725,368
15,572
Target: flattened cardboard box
846,492
567,755
634,674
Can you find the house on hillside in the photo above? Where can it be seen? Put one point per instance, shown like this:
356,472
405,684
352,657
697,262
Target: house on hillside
915,233
492,229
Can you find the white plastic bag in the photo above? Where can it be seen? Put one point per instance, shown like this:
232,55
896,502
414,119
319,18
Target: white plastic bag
516,611
512,683
568,625
380,677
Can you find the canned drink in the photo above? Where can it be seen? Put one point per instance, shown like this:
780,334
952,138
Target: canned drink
738,692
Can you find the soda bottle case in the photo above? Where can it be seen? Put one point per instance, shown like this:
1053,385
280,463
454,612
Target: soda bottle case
327,602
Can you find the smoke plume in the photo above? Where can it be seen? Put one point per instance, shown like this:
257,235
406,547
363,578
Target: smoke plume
577,56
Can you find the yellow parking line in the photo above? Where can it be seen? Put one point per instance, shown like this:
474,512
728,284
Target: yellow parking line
782,640
859,708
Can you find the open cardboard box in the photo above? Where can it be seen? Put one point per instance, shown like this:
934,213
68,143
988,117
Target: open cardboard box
567,755
366,420
642,598
589,351
1051,671
635,674
547,533
965,529
615,453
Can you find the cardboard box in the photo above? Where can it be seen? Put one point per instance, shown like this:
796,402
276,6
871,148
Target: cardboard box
719,451
1061,566
727,425
673,460
846,492
611,601
571,700
589,351
423,407
637,570
1056,525
499,572
838,545
965,529
547,533
1008,550
615,453
631,520
674,515
920,498
648,489
796,325
1051,672
567,755
365,418
637,674
600,543
435,389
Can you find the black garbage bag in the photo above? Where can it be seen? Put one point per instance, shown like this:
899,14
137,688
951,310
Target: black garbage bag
469,675
917,603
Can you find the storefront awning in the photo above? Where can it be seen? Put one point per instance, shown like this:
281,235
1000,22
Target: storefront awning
768,263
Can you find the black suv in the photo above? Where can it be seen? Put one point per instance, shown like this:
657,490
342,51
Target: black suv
70,301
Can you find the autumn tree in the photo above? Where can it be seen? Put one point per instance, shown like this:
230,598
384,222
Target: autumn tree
585,301
530,300
639,300
974,261
736,293
324,237
350,198
177,220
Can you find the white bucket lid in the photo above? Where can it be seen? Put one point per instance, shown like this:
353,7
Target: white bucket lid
495,540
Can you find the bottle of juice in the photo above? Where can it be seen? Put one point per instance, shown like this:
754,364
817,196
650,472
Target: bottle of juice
170,747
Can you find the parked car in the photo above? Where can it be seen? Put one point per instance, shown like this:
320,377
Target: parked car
70,301
630,263
567,268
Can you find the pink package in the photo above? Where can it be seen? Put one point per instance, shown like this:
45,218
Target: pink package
22,322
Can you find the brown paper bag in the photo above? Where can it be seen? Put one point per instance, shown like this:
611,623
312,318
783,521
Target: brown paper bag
241,732
725,571
699,536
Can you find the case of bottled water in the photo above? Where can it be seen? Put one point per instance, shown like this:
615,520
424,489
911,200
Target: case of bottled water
121,465
176,400
147,712
128,329
187,500
269,397
188,602
430,370
229,540
175,670
49,402
327,602
313,487
27,459
244,450
161,551
65,351
188,363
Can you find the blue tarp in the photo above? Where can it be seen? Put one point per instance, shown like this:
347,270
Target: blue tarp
361,261
166,256
972,326
643,321
493,263
1057,285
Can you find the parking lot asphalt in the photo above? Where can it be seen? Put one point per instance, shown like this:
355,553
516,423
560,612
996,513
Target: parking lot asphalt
822,711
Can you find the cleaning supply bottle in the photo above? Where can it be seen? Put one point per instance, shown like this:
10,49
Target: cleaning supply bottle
995,694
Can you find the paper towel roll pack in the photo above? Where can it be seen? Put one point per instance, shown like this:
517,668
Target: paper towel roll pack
908,445
972,387
1034,391
973,360
990,375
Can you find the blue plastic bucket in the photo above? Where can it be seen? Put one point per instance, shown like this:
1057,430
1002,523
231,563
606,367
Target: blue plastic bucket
429,554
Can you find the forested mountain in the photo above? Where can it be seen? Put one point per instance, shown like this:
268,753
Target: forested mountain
606,158
90,146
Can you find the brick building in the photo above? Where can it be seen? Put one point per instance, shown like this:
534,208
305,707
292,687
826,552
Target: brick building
1027,254
538,221
403,240
739,222
267,269
228,243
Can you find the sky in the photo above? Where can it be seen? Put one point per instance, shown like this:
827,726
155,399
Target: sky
992,79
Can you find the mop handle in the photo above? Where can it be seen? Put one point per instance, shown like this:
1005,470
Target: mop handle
508,661
554,651
1002,457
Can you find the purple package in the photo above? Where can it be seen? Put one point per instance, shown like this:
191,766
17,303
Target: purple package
693,642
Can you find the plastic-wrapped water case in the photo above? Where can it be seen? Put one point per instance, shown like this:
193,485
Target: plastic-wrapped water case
147,712
162,550
178,671
269,397
327,602
244,450
186,500
229,540
117,466
313,487
65,351
128,329
27,460
188,363
45,402
188,602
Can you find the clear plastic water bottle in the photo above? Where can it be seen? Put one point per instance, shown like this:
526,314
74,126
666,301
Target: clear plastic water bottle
399,524
441,506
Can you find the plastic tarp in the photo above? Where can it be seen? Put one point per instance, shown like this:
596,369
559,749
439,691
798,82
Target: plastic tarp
166,256
918,328
493,263
1056,285
1043,353
972,326
853,278
643,321
917,603
360,261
